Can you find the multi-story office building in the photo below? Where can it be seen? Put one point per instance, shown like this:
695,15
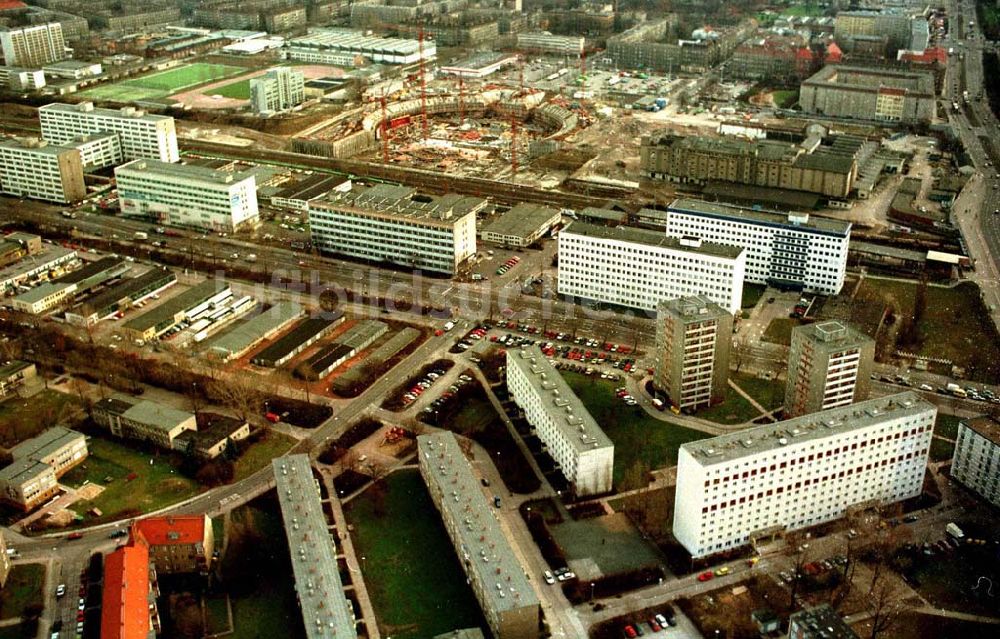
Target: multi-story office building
326,611
693,337
829,364
736,488
36,169
637,268
143,420
143,135
552,44
819,622
976,462
179,543
128,598
187,195
388,223
893,24
33,46
277,90
498,580
810,166
872,94
582,451
59,447
790,250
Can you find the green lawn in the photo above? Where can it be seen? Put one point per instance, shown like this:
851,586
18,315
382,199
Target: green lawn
260,454
941,450
635,434
769,393
752,294
411,571
23,588
785,98
735,410
779,331
216,617
162,84
239,90
803,10
155,485
22,419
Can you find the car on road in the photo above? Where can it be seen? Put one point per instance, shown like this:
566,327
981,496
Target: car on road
721,572
549,578
61,590
630,632
79,628
706,576
82,604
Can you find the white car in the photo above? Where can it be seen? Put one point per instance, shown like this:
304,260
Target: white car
60,590
549,579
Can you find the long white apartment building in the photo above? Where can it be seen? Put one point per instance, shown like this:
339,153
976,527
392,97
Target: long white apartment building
191,196
396,224
498,580
33,45
791,250
582,451
143,135
637,268
801,472
33,168
976,462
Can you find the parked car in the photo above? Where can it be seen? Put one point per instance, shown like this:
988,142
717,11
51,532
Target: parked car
706,576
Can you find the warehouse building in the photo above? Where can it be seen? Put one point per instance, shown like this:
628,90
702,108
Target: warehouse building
479,65
521,226
583,453
693,337
188,195
829,364
498,580
788,250
120,297
48,295
48,262
345,46
871,94
143,135
242,338
398,225
737,488
354,340
326,611
34,168
636,268
159,319
305,334
976,461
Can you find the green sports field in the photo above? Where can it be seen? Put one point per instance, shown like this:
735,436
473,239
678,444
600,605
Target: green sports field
164,83
239,90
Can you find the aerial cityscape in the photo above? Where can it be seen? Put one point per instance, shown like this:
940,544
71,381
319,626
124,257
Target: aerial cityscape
499,319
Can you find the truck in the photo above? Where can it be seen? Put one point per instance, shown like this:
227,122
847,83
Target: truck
953,530
956,390
141,235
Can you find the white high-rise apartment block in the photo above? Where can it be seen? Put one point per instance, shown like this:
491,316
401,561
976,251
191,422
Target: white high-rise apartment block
792,250
800,472
99,150
389,223
33,46
193,196
143,135
583,452
36,169
277,90
637,268
976,462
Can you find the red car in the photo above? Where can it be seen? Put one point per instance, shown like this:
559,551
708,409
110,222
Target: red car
706,576
630,632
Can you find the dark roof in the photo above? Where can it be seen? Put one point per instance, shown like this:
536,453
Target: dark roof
326,356
90,270
125,289
305,330
113,405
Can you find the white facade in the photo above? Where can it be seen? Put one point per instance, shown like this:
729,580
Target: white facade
545,42
180,195
384,224
976,463
19,79
277,90
325,45
143,135
33,168
800,472
639,269
99,151
790,250
33,46
73,69
583,452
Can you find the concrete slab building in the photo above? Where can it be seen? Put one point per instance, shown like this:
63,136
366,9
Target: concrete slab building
693,339
829,364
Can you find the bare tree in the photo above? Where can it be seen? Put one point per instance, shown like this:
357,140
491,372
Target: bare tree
240,393
799,552
740,353
886,603
82,390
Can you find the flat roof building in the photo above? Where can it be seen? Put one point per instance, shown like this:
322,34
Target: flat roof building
788,250
27,483
693,338
161,318
306,333
829,364
143,135
479,65
215,433
143,420
498,580
51,259
583,453
521,226
872,94
344,46
396,224
42,171
120,296
277,90
740,487
326,611
237,341
819,622
637,268
188,195
14,374
976,461
59,447
33,45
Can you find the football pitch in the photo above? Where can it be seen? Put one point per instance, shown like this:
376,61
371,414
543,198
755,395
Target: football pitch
164,83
